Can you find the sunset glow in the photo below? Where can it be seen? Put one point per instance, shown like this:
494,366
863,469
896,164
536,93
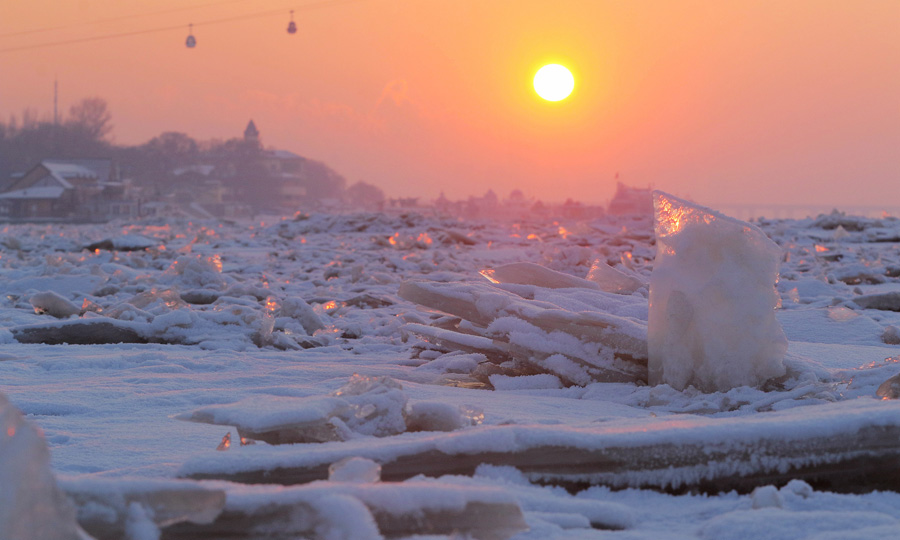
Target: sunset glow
730,102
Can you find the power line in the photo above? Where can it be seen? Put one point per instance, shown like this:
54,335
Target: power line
248,16
119,18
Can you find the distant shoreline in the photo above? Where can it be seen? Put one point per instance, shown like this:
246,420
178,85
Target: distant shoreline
800,211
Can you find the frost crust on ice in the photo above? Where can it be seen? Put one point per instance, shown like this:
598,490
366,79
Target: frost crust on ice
712,301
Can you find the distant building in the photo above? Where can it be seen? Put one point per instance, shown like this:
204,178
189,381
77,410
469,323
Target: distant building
631,200
68,190
251,134
274,179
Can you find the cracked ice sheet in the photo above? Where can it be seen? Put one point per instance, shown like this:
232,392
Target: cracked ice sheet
107,409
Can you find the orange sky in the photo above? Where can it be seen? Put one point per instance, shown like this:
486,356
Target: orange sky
756,101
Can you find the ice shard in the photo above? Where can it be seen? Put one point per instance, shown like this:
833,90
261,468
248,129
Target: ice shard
712,318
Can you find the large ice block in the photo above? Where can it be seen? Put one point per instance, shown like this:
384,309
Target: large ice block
31,504
712,300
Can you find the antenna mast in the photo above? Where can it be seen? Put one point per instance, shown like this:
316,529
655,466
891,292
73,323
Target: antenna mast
55,102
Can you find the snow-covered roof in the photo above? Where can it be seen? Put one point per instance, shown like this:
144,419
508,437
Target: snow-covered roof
204,170
102,169
282,154
68,170
48,192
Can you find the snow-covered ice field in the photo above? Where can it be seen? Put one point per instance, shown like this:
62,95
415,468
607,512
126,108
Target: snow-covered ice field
289,330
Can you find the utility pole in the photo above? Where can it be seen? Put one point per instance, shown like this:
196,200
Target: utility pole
55,101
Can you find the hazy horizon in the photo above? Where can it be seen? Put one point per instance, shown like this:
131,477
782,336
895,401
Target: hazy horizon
739,103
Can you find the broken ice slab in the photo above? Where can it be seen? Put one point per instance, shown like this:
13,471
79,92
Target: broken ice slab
526,273
278,420
361,511
364,406
105,506
886,301
482,304
457,341
367,301
459,301
125,242
94,331
580,347
851,446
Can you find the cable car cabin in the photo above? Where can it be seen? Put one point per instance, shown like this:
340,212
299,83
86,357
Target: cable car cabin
292,26
190,42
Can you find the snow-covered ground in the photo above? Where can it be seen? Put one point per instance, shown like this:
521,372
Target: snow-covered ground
299,322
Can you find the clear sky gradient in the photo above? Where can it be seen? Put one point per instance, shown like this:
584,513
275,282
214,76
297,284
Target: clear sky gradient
727,102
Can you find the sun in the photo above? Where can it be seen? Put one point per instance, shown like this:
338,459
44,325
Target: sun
554,82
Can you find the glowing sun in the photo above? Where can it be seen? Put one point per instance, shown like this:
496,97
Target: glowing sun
554,82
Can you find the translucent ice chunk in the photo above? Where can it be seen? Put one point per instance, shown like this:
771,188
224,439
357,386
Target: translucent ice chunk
612,280
889,389
712,299
298,309
278,419
226,443
767,497
378,404
435,416
53,304
31,504
354,469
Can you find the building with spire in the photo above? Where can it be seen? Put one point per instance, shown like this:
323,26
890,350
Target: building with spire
251,133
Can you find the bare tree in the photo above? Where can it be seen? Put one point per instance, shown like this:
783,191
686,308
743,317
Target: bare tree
92,117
